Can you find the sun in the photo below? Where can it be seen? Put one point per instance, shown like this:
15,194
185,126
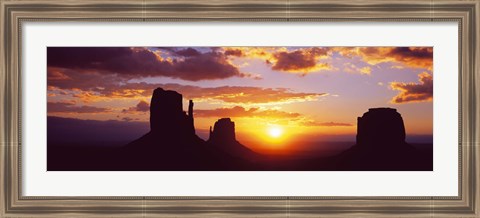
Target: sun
275,131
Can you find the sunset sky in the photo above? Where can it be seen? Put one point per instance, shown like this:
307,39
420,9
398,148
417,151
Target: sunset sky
273,94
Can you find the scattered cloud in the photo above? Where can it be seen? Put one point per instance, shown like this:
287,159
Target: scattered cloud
234,52
142,106
293,60
70,107
300,61
55,75
127,119
330,124
141,62
414,92
88,89
196,64
420,57
352,68
366,70
92,74
238,111
187,52
247,94
206,66
416,57
398,67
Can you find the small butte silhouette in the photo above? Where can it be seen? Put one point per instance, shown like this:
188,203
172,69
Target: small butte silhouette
172,145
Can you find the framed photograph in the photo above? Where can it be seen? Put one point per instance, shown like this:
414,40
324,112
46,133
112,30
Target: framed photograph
87,132
234,108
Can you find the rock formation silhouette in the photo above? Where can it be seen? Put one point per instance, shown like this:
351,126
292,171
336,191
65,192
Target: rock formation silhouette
223,131
167,115
381,144
168,122
379,126
172,143
223,137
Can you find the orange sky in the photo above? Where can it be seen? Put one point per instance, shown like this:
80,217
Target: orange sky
316,92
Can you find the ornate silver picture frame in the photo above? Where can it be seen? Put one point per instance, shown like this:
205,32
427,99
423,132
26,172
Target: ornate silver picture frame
13,14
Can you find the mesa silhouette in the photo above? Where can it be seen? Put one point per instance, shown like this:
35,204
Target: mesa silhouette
381,145
172,145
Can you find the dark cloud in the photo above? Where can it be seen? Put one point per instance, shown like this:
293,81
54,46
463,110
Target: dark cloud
188,52
302,60
234,52
142,62
127,119
407,53
417,57
88,88
132,62
57,75
238,111
420,57
70,107
142,106
81,80
287,61
414,92
207,66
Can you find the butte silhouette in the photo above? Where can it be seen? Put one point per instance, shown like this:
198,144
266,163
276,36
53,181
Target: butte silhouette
381,145
172,143
223,138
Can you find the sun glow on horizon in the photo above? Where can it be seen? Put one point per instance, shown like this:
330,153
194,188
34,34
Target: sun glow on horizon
275,131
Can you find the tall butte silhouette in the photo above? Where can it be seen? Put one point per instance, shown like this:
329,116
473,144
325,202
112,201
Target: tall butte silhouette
381,145
172,143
